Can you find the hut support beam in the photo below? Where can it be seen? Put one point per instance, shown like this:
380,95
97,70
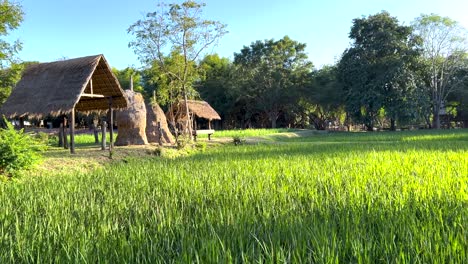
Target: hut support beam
21,122
111,124
64,132
72,131
103,140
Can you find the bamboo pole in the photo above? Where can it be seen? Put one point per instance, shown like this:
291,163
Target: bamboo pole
111,124
65,136
72,131
103,141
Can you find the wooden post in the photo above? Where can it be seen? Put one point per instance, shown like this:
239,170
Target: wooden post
103,141
60,140
159,134
111,124
209,124
21,123
95,131
72,131
65,137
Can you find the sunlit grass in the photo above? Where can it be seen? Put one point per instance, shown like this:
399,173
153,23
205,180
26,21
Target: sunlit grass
337,197
247,132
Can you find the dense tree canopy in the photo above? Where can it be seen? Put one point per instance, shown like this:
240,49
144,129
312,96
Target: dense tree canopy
171,30
376,70
272,74
11,16
391,75
445,51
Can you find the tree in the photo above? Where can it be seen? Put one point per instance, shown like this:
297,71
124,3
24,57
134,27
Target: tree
124,76
445,49
11,16
376,70
9,77
175,29
272,74
325,97
216,84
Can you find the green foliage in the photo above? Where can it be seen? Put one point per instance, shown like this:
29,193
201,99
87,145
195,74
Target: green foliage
163,86
18,150
182,142
271,75
200,146
11,16
376,71
158,151
345,197
170,41
238,140
217,85
445,47
9,77
324,99
124,77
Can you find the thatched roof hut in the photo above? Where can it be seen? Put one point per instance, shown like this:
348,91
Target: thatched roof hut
56,88
200,109
59,88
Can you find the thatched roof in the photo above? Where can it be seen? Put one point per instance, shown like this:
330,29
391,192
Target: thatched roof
56,88
199,108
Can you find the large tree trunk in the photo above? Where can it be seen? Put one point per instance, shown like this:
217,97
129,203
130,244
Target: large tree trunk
189,119
273,116
392,124
436,116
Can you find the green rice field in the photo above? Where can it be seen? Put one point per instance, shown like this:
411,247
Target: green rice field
398,197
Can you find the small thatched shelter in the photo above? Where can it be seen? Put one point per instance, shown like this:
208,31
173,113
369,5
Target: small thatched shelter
157,130
60,88
132,121
197,109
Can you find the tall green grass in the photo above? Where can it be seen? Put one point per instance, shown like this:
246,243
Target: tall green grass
321,199
247,132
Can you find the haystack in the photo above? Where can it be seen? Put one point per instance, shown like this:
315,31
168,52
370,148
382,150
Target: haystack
131,122
156,125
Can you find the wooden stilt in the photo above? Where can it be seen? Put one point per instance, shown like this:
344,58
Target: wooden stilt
72,131
96,135
111,124
209,124
60,139
65,137
21,123
103,140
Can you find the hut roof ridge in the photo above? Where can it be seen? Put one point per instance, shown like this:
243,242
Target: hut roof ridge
56,88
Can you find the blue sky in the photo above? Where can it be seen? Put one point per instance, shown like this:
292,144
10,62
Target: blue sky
53,29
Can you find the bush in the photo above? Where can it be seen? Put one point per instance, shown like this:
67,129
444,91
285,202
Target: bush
201,146
238,140
17,150
182,142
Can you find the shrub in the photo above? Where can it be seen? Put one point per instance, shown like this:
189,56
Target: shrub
158,151
17,150
201,146
238,140
182,142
